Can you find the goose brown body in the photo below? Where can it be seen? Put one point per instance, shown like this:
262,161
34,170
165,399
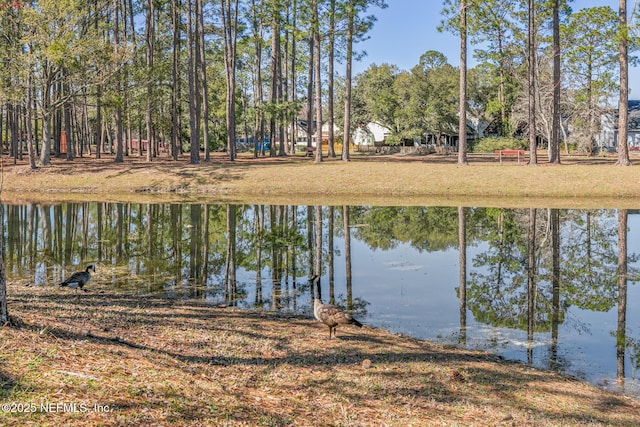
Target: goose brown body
79,278
331,315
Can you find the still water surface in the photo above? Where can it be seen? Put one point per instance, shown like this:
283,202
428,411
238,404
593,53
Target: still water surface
553,288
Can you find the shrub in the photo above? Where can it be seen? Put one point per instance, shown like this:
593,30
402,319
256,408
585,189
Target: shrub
489,145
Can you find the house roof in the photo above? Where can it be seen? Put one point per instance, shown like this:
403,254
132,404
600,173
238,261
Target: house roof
302,124
634,116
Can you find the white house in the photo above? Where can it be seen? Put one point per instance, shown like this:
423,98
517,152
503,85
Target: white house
608,137
375,134
478,126
371,135
301,134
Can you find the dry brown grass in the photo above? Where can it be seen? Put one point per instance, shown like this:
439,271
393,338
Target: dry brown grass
368,179
159,362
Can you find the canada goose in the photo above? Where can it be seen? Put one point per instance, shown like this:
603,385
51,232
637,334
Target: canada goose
329,314
79,278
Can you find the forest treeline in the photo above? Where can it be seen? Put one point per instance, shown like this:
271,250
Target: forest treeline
128,77
158,77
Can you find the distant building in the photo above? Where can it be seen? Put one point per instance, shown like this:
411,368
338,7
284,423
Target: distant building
373,135
608,138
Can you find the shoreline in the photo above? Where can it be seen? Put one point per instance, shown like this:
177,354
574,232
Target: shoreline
366,180
207,365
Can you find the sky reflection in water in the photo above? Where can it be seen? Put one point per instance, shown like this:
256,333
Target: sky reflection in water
404,264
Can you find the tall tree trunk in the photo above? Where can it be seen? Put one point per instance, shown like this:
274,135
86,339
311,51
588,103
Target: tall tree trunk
280,96
259,227
591,113
131,17
258,137
330,83
275,75
45,153
347,246
286,148
533,158
462,279
4,307
230,266
554,144
501,87
284,87
318,79
119,136
66,113
150,35
531,279
57,121
194,91
318,253
30,148
554,218
347,83
196,72
203,79
294,38
175,78
229,27
462,114
128,147
99,131
310,93
331,264
86,128
623,102
118,109
621,333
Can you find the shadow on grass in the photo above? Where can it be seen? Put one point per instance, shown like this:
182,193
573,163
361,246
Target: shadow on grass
266,344
7,385
75,315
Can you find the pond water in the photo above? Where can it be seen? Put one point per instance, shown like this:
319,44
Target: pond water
556,289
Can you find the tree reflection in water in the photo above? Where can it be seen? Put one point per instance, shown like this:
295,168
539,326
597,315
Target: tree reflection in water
528,283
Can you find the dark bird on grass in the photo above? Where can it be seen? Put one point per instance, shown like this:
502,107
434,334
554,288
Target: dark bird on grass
329,314
78,279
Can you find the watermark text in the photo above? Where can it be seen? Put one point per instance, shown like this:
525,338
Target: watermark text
53,407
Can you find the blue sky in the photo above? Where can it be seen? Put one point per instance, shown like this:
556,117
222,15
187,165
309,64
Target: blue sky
408,28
